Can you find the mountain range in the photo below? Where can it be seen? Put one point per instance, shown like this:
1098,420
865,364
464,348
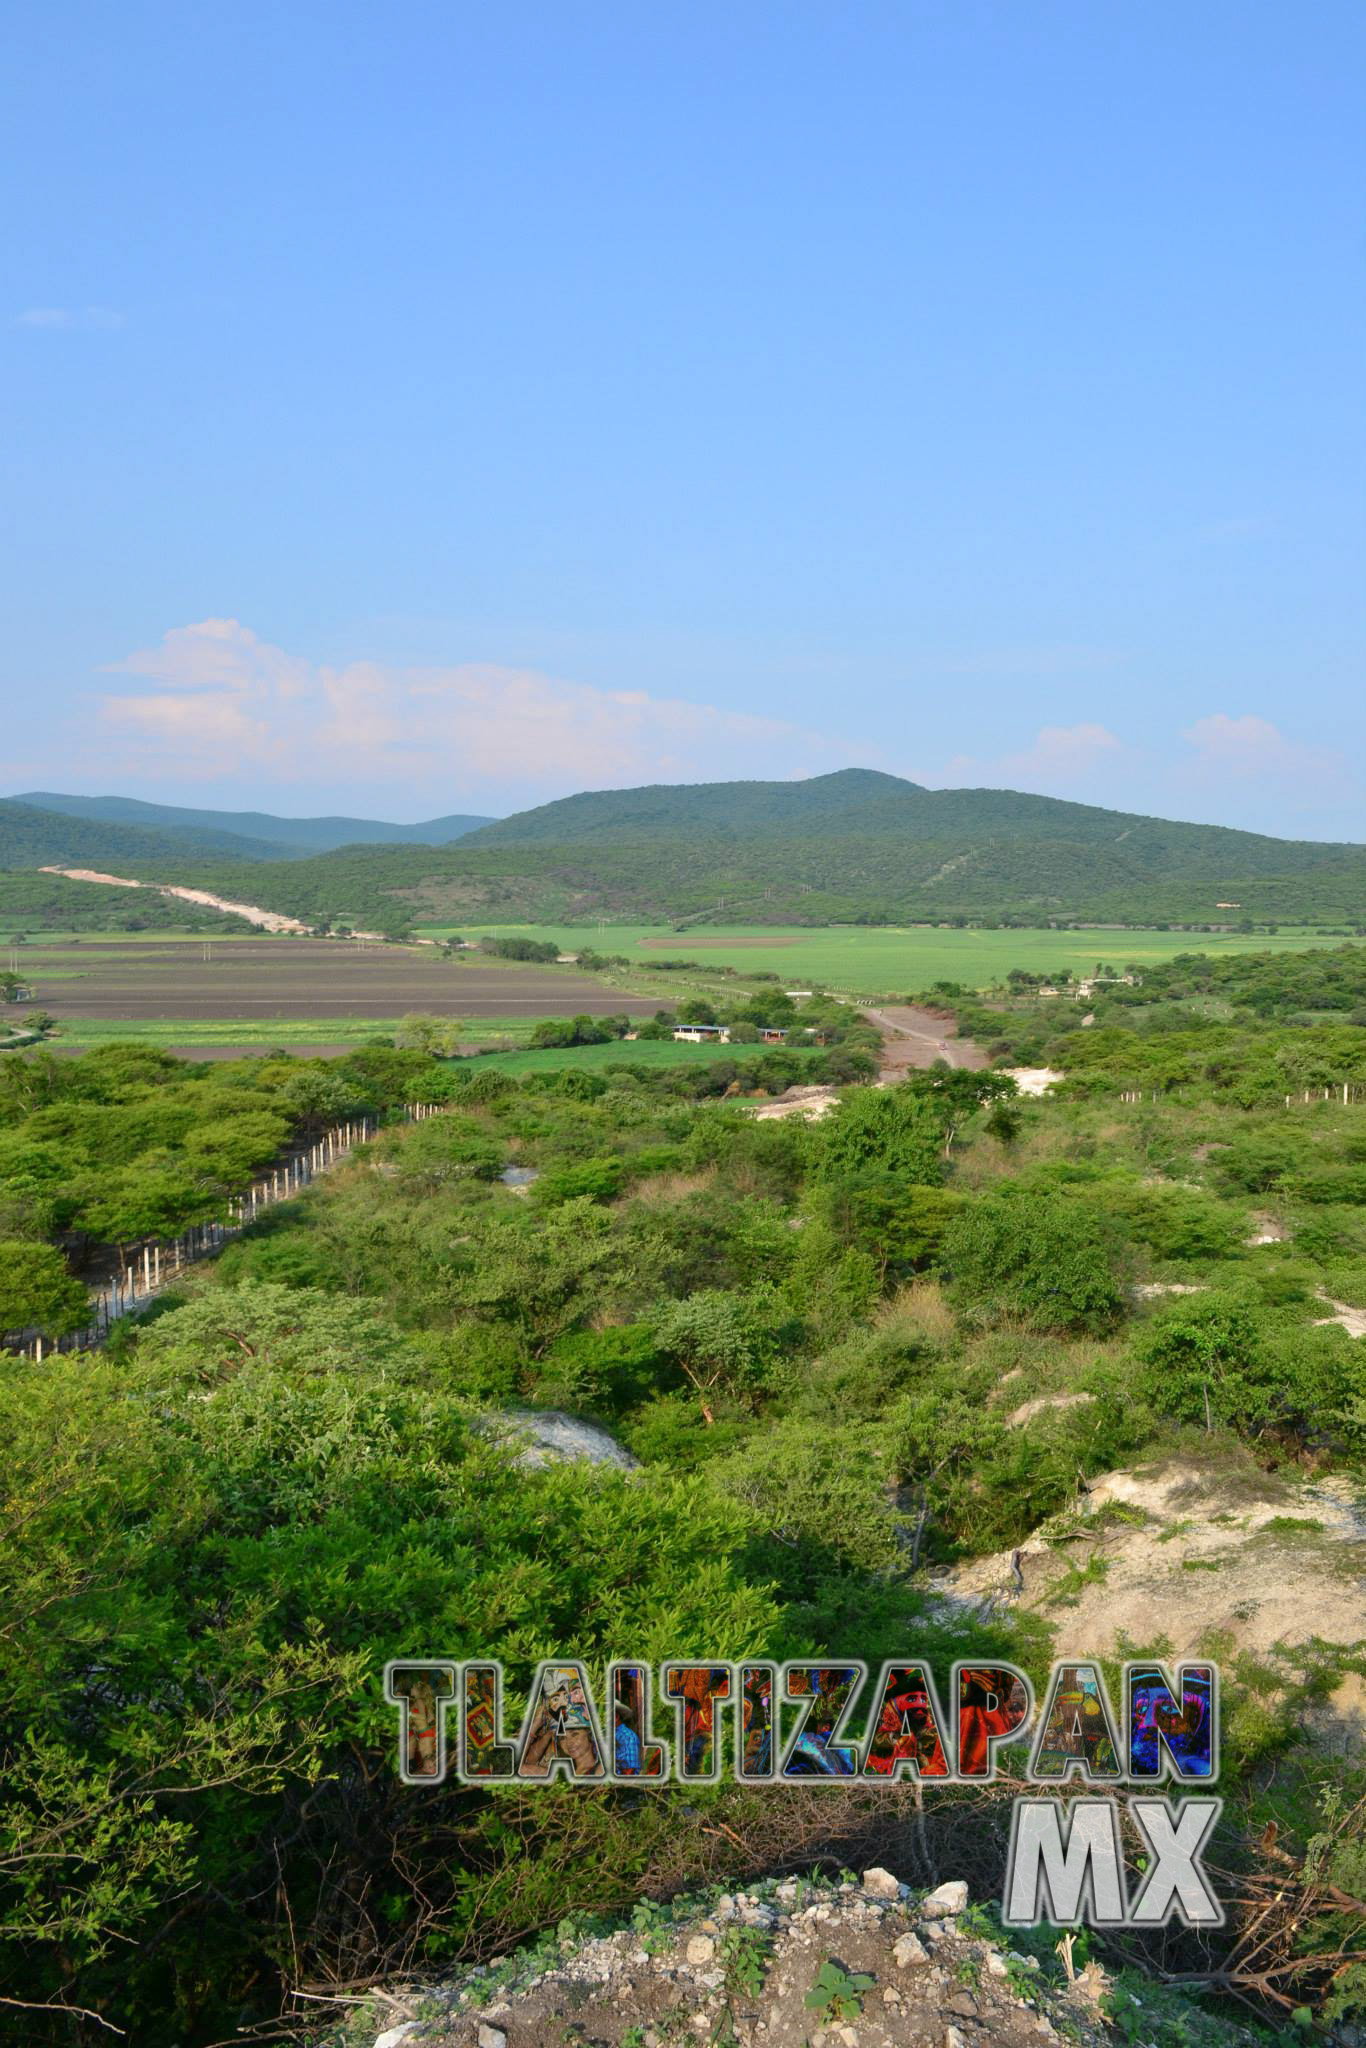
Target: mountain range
244,835
853,846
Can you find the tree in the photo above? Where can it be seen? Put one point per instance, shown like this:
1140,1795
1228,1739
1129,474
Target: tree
900,1223
725,1342
37,1292
893,1129
1036,1256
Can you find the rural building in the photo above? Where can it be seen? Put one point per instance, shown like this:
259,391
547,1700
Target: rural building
770,1035
1084,988
702,1034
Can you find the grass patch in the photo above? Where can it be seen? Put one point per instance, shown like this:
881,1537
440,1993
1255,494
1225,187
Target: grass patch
648,1052
873,959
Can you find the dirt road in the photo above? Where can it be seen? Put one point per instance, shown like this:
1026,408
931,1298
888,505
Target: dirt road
913,1037
267,920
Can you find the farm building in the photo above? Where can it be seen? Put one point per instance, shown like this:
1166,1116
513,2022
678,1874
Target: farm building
702,1034
1095,981
769,1034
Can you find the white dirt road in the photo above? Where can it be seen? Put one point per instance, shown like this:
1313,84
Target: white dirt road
265,920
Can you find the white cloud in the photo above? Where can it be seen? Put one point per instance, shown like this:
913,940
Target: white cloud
95,317
1061,760
1256,756
1249,746
229,702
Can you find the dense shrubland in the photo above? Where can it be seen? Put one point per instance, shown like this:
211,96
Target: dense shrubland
813,1337
1251,1027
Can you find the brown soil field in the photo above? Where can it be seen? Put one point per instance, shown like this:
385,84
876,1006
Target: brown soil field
308,978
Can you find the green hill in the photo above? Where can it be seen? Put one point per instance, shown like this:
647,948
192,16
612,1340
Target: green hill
34,838
855,847
277,837
829,804
862,806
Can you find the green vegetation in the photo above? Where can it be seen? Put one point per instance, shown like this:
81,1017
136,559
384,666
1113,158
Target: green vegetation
853,847
877,960
643,1053
33,838
840,1351
1250,1028
52,904
279,838
837,1993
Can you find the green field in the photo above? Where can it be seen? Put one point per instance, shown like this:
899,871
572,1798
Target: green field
649,1052
261,1031
878,960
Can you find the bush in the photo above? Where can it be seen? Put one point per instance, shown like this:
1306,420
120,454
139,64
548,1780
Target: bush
37,1292
1259,1379
1038,1257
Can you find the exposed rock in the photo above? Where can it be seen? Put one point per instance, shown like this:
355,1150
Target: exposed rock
812,1103
1033,1080
948,1899
392,2036
609,1990
552,1437
1208,1557
1352,1320
880,1884
1042,1403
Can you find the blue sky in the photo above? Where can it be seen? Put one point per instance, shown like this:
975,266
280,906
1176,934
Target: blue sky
447,407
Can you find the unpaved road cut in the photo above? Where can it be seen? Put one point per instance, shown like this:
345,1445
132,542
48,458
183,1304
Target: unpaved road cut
912,1037
265,920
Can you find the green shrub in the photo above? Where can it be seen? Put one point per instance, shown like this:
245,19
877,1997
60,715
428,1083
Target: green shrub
1042,1259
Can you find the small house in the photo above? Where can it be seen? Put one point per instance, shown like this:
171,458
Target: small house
702,1034
770,1035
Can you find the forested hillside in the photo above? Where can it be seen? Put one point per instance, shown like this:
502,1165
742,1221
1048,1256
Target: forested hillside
31,901
855,847
279,837
32,838
909,1335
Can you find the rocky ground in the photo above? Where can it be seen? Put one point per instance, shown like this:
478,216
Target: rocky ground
1216,1559
863,1963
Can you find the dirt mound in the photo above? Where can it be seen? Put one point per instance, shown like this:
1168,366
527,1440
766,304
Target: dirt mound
790,1965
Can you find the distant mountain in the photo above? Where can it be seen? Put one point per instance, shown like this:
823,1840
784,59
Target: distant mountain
828,804
271,837
862,805
34,838
857,847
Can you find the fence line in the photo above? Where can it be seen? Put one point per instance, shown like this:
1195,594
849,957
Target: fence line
155,1265
1344,1091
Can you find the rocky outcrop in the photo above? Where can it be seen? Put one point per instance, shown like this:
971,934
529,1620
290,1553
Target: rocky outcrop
861,1964
1216,1559
548,1436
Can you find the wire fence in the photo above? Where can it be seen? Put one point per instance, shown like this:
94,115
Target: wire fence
154,1265
1344,1092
